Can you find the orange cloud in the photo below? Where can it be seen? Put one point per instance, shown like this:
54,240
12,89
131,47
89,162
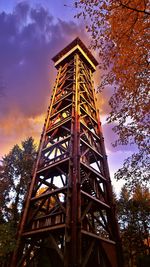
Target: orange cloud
15,127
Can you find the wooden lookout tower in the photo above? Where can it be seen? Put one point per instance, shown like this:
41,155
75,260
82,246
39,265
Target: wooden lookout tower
68,219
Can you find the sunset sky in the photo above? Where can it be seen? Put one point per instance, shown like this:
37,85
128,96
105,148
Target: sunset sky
31,33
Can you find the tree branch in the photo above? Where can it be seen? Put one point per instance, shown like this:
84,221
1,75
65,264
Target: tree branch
135,9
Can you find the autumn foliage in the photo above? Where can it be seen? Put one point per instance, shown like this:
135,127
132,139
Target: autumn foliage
120,32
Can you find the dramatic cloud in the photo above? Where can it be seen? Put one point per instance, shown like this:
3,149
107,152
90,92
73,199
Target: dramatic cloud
29,38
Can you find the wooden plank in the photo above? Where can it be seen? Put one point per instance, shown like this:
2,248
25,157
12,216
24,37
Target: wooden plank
100,155
94,171
95,199
96,136
98,237
43,230
50,166
88,253
56,144
54,192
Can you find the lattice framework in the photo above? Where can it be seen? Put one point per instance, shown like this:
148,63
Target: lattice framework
69,217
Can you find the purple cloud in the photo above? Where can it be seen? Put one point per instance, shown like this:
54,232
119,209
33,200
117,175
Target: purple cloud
29,39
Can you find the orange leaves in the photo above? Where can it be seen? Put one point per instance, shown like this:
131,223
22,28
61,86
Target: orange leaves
51,201
120,32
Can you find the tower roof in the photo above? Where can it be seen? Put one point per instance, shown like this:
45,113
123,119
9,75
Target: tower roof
75,45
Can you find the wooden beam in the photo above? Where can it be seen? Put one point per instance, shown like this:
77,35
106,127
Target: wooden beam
95,200
98,237
43,230
46,195
88,253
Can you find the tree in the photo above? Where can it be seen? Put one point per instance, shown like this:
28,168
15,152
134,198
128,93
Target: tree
119,30
134,219
15,176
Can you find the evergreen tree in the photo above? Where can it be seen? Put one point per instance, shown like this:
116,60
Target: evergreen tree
15,175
